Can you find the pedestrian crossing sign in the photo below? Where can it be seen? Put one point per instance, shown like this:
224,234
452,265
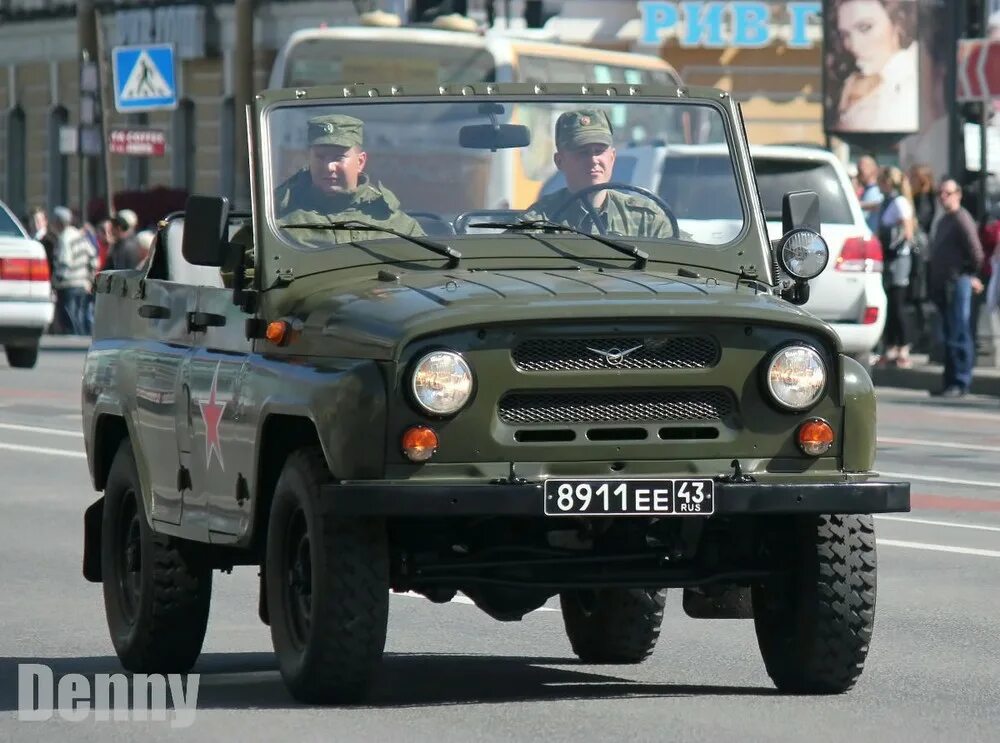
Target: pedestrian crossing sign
144,78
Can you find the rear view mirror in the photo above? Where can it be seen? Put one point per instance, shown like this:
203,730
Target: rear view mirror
206,239
490,137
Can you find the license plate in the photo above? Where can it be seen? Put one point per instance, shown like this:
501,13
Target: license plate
674,497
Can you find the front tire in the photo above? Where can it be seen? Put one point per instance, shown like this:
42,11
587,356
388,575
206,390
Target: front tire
327,580
156,592
613,625
814,627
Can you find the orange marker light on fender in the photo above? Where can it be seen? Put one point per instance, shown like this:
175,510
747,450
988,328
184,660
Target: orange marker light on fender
278,332
815,437
419,443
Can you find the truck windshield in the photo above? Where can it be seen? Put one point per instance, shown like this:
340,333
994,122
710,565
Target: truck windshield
437,168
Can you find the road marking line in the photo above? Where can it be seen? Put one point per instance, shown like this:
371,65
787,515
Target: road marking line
36,429
937,444
930,522
44,450
939,548
929,478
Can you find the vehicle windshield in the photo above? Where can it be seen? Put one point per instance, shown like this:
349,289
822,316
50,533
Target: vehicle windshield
445,168
8,227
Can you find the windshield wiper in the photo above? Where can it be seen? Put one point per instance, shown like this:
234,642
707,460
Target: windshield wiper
641,257
354,224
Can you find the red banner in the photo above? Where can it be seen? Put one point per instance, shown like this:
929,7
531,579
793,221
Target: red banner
137,142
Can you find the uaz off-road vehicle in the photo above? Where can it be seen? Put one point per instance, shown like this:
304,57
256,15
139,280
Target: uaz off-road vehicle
514,410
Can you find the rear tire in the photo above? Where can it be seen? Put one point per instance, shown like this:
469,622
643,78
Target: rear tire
22,357
814,627
156,592
613,625
327,581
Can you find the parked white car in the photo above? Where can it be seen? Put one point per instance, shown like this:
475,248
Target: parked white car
849,293
26,307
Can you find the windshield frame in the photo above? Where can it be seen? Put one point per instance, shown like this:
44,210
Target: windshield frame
270,183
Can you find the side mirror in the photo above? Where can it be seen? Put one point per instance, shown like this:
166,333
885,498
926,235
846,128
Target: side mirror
206,237
800,211
802,254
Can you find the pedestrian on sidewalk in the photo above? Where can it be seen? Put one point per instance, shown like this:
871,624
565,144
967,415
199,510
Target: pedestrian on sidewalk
896,232
956,257
871,197
74,263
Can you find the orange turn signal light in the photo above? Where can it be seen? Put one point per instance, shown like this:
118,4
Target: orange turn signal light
815,437
278,332
419,443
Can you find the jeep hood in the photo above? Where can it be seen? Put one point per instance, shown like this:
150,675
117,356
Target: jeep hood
375,318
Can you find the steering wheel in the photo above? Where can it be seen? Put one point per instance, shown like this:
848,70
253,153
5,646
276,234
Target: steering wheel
592,212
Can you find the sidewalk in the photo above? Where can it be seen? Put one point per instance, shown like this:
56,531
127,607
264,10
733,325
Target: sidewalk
927,376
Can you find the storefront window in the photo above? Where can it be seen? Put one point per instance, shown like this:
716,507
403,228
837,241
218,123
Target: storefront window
58,181
183,165
16,160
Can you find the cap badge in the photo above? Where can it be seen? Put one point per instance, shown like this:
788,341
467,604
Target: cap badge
585,121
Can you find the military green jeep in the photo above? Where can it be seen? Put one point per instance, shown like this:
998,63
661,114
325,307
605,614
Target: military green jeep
399,372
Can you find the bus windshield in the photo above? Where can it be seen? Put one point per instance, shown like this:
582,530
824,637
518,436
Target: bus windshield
441,167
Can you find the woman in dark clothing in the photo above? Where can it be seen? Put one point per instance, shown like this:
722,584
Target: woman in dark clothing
924,199
925,207
897,227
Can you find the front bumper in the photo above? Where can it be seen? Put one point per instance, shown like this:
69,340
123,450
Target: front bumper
385,498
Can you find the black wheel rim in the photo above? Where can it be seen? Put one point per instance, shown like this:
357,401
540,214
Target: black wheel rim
298,579
129,557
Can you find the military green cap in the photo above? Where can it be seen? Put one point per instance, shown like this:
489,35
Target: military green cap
578,128
336,129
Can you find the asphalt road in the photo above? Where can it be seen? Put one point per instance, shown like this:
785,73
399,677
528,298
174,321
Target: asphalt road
453,674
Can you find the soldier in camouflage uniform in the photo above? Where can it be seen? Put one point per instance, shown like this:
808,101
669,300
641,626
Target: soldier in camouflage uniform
586,156
334,187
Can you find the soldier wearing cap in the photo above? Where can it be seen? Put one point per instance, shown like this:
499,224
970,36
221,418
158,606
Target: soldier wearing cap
586,156
334,186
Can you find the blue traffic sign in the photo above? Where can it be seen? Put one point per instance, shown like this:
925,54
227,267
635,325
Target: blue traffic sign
144,78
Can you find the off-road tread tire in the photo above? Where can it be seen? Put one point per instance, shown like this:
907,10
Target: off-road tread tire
815,631
21,357
350,592
622,628
168,634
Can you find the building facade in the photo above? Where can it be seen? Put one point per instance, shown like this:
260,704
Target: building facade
40,96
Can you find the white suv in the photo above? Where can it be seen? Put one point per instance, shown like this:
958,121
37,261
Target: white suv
26,307
849,293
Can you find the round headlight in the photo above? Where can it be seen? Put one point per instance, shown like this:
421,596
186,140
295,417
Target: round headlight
804,254
442,382
796,377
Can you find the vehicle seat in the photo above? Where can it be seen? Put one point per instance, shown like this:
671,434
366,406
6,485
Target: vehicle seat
182,272
462,221
432,224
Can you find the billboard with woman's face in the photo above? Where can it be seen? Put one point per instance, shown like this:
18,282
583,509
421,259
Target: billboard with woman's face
871,66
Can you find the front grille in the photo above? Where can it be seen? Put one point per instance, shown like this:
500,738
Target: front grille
572,354
614,407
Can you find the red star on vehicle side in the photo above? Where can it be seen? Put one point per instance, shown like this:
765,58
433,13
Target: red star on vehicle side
211,413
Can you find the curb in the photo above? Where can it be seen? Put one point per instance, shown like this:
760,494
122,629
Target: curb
929,378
